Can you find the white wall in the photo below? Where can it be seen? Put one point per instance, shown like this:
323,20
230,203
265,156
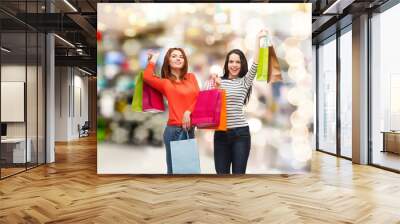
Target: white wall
61,103
80,94
70,83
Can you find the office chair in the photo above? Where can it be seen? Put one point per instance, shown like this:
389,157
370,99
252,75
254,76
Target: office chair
84,130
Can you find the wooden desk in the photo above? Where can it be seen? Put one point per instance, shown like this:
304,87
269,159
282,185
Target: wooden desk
391,141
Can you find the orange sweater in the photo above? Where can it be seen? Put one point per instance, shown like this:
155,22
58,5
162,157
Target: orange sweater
181,95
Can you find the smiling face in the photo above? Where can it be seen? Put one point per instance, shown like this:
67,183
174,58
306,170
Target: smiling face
176,60
234,66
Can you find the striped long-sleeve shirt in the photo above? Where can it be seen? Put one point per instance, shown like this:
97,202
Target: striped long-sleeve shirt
236,92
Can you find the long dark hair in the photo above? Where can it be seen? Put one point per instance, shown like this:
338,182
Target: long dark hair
166,68
243,69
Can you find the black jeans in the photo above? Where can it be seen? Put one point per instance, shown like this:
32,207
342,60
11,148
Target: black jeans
232,147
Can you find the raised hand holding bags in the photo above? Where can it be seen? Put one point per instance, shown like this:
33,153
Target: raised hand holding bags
268,65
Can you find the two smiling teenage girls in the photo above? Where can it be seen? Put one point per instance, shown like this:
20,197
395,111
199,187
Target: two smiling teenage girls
231,147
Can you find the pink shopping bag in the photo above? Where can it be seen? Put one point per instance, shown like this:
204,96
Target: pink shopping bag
207,110
152,99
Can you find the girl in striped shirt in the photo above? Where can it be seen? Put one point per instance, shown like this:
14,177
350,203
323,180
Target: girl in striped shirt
232,147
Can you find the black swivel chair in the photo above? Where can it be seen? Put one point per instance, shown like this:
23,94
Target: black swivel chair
84,130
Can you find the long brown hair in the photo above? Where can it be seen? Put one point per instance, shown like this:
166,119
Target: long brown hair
166,68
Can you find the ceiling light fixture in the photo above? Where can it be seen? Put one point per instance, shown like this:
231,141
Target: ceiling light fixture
337,7
84,71
5,49
70,5
64,40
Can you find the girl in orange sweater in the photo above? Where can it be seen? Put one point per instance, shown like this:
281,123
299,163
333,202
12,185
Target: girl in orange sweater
181,90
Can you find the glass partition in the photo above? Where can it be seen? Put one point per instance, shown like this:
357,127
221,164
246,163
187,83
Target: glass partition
22,89
385,89
327,96
346,94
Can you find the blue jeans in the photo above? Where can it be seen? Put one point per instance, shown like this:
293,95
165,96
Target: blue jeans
232,147
174,133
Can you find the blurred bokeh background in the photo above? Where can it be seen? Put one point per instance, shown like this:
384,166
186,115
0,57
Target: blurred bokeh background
280,115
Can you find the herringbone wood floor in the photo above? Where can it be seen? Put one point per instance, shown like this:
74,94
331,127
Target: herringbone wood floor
70,191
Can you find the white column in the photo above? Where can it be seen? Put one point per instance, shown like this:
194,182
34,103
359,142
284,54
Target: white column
50,93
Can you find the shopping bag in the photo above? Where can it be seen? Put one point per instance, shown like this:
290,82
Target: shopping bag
185,156
263,64
207,110
152,99
137,104
274,69
222,120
